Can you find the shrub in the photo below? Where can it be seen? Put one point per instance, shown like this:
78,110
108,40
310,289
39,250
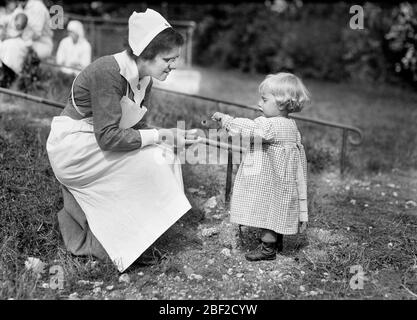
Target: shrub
402,39
365,51
313,40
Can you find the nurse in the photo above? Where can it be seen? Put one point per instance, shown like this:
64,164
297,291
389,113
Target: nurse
121,190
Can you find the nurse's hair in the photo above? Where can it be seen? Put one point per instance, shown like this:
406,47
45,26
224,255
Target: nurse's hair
164,41
287,89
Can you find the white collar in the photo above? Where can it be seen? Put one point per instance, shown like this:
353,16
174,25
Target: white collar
129,70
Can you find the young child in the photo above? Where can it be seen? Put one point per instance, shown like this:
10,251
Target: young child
270,189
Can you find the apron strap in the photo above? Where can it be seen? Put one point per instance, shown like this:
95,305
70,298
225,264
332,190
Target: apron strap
73,100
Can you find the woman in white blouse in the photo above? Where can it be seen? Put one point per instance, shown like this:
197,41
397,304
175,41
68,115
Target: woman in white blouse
38,29
74,51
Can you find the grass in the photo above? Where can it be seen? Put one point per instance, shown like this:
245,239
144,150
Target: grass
359,220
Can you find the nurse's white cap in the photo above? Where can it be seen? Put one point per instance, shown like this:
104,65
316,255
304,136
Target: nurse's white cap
143,27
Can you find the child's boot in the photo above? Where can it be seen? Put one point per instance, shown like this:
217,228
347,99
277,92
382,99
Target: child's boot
266,251
271,242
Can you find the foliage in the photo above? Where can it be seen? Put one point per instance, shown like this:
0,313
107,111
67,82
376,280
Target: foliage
402,39
29,78
313,40
365,51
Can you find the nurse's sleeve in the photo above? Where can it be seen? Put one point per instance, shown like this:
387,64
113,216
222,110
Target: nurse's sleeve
106,92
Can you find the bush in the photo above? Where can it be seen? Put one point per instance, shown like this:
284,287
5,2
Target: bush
312,40
365,51
402,39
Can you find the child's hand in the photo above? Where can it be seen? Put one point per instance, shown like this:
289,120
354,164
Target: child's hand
302,226
218,116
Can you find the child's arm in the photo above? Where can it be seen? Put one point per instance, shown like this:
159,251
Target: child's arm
260,127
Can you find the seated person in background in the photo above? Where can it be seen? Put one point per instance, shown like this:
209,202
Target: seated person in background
3,22
38,29
13,51
7,15
74,50
17,25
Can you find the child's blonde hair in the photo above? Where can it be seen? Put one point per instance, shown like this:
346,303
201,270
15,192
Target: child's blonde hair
288,90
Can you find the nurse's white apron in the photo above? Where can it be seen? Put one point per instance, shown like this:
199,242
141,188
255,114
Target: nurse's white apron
129,198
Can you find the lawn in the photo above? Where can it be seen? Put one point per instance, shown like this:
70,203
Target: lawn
364,221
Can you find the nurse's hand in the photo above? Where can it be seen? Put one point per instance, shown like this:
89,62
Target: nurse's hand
178,137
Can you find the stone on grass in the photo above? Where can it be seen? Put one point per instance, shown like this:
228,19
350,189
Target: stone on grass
73,296
188,271
226,252
196,276
208,232
210,203
410,204
35,265
125,278
192,190
97,290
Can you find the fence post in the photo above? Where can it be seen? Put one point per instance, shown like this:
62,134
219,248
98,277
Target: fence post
190,32
229,170
343,152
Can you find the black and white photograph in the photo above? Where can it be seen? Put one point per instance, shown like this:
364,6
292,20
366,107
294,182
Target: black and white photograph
222,152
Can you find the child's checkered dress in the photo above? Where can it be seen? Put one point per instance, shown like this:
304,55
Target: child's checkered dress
270,187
